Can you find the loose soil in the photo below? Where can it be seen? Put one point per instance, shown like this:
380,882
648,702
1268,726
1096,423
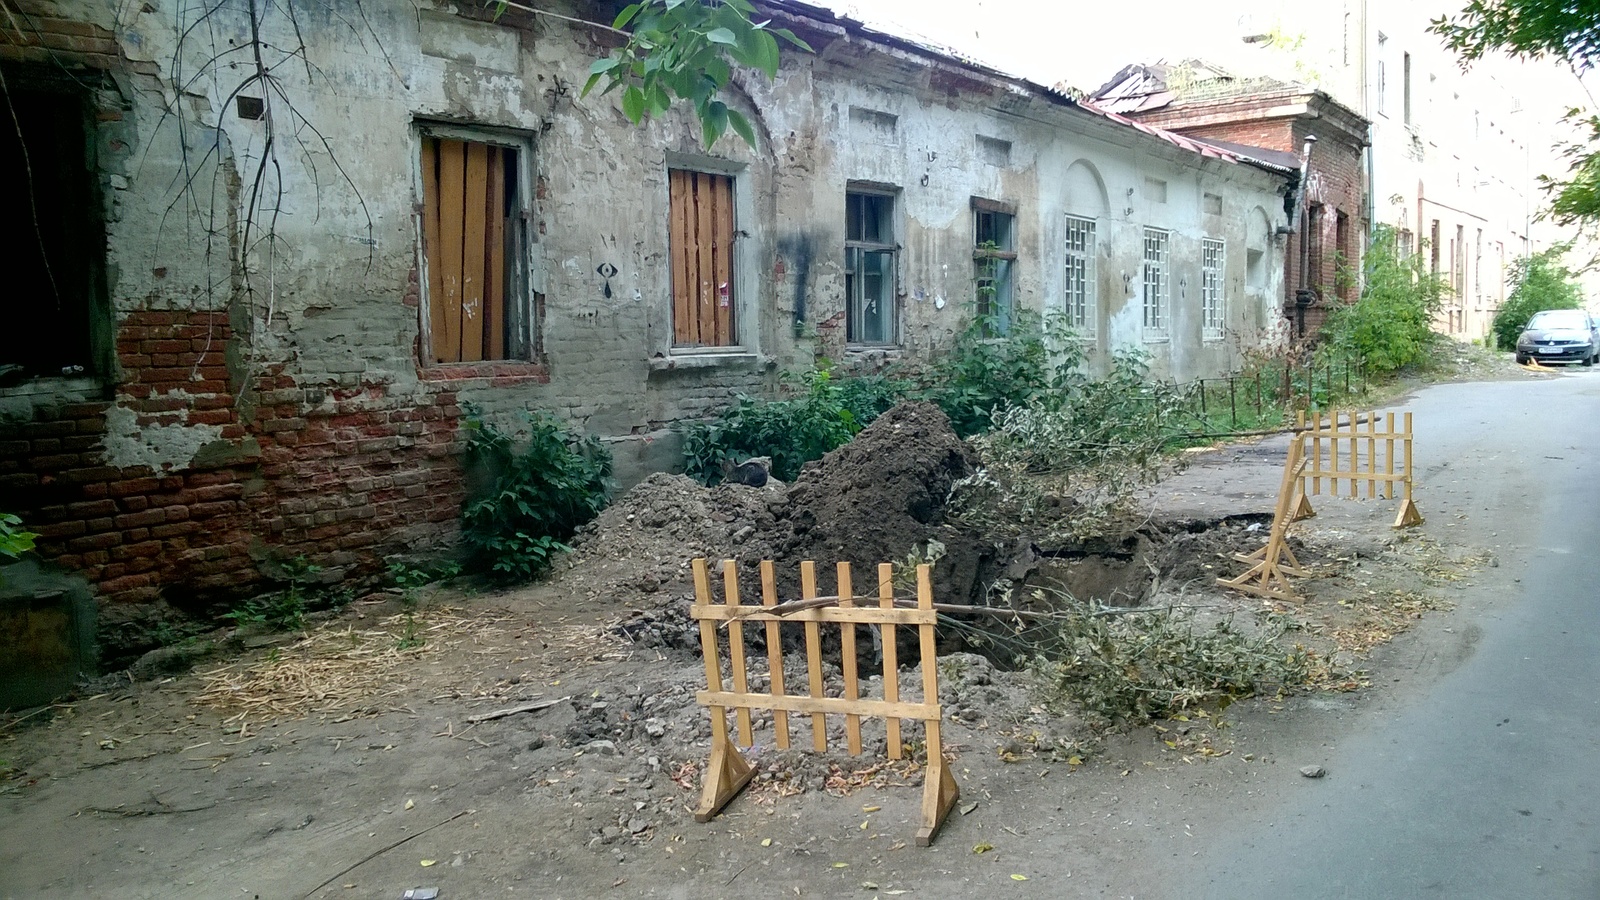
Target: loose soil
358,759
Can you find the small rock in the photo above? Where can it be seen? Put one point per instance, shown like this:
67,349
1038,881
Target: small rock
654,727
637,826
967,810
1313,771
605,747
537,742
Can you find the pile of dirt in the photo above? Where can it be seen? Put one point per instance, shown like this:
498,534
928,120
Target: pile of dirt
882,496
636,553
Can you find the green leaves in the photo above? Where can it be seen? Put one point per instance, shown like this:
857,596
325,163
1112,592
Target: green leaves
1542,282
684,51
527,497
1391,325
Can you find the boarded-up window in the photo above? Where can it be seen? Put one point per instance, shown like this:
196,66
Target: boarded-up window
701,236
473,247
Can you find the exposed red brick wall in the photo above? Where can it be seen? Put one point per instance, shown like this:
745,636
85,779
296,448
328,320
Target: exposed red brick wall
1336,182
341,476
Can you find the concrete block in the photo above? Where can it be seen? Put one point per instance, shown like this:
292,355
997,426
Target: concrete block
46,633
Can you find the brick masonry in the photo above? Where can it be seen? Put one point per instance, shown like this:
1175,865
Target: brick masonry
340,475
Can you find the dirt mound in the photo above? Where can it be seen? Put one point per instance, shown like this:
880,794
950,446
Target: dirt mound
636,553
882,496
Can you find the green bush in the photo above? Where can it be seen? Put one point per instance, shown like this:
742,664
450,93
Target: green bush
1391,325
1542,282
822,413
995,364
526,497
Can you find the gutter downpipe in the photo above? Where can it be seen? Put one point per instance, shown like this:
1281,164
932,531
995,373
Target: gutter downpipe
1303,296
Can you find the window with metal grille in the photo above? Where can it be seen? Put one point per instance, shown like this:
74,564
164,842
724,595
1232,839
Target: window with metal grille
1081,299
1212,311
994,255
475,249
1157,286
869,268
701,239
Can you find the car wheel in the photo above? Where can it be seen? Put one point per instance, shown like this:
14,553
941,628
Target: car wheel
1521,360
1588,361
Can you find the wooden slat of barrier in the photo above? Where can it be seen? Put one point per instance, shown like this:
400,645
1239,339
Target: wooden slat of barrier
769,597
1388,485
819,722
939,792
1316,450
847,662
708,650
1333,453
817,705
741,682
1372,454
891,660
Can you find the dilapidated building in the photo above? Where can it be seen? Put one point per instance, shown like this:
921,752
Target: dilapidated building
1270,120
274,257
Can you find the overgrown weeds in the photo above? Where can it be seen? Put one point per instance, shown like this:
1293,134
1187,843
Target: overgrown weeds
1390,325
1543,282
819,413
1121,666
527,496
1069,462
283,610
994,365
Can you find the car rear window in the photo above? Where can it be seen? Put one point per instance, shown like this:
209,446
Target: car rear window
1558,318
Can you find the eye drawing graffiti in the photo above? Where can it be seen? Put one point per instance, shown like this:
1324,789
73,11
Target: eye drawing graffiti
606,271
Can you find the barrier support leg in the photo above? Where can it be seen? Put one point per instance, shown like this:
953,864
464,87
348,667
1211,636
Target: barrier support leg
725,777
939,795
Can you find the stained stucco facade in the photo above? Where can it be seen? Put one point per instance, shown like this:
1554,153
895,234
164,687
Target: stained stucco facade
261,383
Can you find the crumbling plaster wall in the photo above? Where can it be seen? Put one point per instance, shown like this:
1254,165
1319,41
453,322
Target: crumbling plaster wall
278,409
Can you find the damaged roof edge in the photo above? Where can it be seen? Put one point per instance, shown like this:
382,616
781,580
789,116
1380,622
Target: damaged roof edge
823,16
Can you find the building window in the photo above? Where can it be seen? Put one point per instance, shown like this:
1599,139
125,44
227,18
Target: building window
994,258
1382,73
1082,302
1344,274
1157,284
57,322
869,268
1213,312
701,228
475,249
1405,87
1404,243
1312,235
1433,248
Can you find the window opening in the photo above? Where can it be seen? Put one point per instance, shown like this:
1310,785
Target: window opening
57,323
869,268
994,257
474,244
701,240
1081,295
1212,313
1156,283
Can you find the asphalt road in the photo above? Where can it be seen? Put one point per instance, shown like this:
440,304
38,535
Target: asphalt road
1484,783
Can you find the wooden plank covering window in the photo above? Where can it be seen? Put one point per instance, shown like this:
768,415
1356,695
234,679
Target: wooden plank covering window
700,229
465,205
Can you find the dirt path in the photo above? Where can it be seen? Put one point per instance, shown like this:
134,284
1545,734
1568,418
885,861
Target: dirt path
346,764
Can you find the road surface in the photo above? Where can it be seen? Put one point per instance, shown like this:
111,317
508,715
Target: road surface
1484,783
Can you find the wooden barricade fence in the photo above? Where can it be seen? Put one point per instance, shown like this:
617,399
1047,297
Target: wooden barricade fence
1275,562
728,772
1356,454
1304,470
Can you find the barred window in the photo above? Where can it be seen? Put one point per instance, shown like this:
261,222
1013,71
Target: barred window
1080,294
1212,311
1157,284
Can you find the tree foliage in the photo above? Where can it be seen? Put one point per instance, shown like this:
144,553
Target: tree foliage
1567,30
1390,324
685,50
1527,29
1542,282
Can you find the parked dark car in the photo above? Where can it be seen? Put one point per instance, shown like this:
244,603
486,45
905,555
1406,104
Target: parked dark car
1560,335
